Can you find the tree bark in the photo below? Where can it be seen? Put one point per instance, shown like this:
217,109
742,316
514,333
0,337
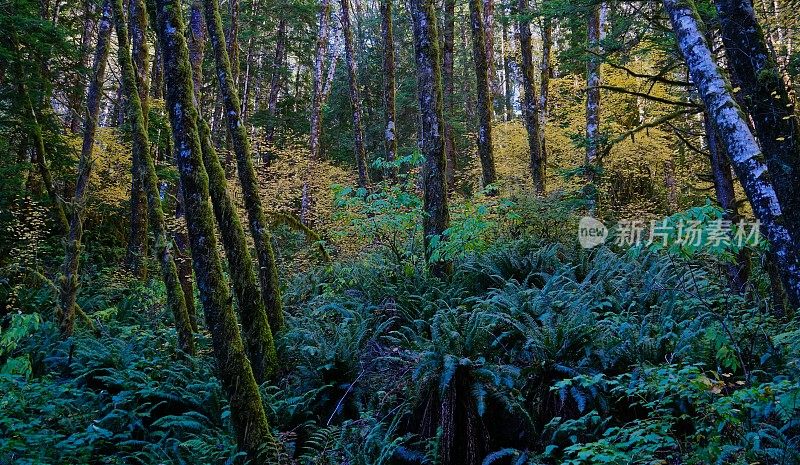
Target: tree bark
234,370
355,97
487,20
197,47
766,100
259,229
137,242
389,86
529,108
69,269
479,48
429,90
508,83
592,104
449,92
743,151
146,173
726,197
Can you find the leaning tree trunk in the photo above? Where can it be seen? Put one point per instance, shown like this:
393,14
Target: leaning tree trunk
449,91
72,248
137,241
429,90
355,97
39,147
592,104
315,119
529,111
236,375
766,100
489,175
146,173
259,229
389,86
258,338
742,149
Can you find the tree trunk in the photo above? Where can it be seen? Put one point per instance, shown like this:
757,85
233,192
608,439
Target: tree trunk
69,270
316,109
355,97
429,90
592,104
89,24
529,111
232,39
389,86
259,229
508,82
449,90
276,80
234,370
146,172
197,46
487,19
740,145
484,93
544,86
766,100
726,197
39,147
137,242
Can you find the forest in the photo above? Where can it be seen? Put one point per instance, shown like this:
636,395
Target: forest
417,232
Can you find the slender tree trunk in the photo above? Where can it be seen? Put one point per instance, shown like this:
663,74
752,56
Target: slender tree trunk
69,270
743,151
137,242
146,173
449,91
276,80
234,370
183,259
429,89
197,46
726,196
546,69
487,18
529,110
508,82
355,97
765,98
259,229
389,86
479,47
592,104
316,109
232,39
89,24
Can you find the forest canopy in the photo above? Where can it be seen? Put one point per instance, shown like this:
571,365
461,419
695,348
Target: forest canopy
479,232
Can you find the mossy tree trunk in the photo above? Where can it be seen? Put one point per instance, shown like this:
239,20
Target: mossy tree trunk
234,370
546,70
740,145
149,180
259,229
69,269
137,241
355,96
429,90
484,93
530,113
389,86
